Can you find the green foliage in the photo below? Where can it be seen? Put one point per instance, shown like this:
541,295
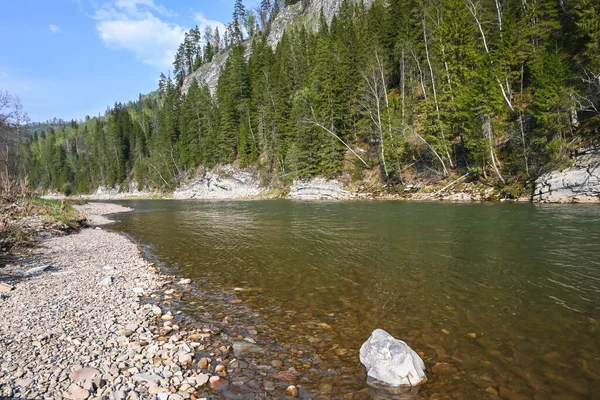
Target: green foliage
408,85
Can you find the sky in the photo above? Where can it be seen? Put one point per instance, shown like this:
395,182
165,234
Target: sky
72,58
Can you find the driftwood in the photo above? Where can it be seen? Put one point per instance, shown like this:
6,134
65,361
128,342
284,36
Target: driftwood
448,185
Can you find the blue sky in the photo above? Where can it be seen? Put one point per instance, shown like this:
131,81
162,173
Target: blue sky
72,58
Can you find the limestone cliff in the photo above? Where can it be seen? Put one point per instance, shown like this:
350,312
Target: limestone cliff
289,16
577,184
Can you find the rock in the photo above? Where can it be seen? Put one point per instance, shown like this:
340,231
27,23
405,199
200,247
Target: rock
202,379
473,335
241,348
146,378
239,364
318,188
35,270
325,387
223,181
508,394
185,358
167,317
163,396
340,352
277,363
156,310
106,281
24,382
221,370
203,363
126,332
292,390
84,374
578,184
184,281
76,392
138,290
185,387
216,382
391,361
5,287
444,369
491,391
285,376
153,389
445,331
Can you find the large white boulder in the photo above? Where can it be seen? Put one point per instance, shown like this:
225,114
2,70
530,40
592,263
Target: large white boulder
391,361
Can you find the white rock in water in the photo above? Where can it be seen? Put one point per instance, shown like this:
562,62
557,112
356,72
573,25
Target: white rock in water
391,361
185,281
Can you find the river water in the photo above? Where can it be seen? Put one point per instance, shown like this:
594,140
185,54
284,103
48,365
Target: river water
503,297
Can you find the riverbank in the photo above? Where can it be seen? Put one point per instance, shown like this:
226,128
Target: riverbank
81,319
578,183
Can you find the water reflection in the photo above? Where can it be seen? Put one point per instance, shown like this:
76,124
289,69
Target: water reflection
506,293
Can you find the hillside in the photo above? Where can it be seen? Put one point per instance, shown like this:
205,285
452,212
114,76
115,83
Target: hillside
386,96
291,16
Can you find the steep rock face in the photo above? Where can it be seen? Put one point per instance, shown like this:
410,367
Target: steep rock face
318,189
578,184
209,73
220,183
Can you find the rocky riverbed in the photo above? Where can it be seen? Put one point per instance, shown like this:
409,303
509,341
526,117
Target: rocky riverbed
81,318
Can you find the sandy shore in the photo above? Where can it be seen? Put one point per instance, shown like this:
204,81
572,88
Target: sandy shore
79,327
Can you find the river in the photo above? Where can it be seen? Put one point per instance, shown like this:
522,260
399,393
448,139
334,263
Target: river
503,297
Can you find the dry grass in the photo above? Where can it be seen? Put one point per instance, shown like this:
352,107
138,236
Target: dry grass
24,217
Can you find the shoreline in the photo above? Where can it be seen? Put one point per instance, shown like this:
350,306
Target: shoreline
457,198
84,317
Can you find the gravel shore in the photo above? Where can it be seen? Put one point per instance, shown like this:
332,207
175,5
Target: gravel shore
79,322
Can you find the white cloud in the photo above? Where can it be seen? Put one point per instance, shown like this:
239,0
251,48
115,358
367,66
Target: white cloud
203,22
53,28
134,25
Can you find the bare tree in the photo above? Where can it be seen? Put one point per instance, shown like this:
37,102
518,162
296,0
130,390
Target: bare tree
12,121
375,103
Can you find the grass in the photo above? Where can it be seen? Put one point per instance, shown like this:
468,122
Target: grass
57,210
23,218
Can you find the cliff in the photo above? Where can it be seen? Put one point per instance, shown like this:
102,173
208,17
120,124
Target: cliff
289,16
577,184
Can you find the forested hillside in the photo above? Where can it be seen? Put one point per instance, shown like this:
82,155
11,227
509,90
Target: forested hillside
410,89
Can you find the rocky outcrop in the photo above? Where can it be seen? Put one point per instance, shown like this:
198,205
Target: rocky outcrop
577,184
319,189
207,74
391,361
220,183
290,15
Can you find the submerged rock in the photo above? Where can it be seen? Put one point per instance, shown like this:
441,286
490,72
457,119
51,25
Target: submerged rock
241,348
391,361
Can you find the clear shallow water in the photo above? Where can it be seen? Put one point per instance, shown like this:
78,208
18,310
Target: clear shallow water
524,279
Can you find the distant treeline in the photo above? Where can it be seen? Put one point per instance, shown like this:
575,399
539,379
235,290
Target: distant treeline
407,88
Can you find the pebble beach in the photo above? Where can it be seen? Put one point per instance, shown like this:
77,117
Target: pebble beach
81,322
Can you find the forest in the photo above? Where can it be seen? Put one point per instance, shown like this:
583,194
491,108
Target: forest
399,90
